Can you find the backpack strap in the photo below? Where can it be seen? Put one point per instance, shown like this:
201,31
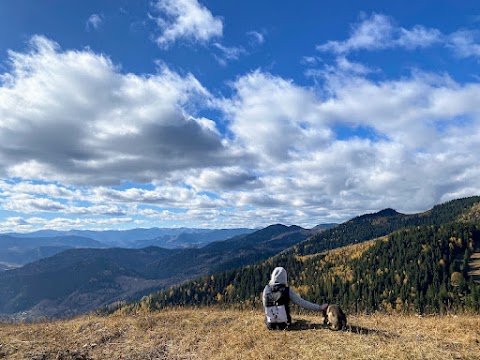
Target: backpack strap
284,293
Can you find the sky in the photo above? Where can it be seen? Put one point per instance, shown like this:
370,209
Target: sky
223,114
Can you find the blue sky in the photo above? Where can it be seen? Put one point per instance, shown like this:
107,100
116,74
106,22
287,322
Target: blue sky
218,114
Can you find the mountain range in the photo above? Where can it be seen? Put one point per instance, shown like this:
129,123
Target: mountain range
79,280
17,249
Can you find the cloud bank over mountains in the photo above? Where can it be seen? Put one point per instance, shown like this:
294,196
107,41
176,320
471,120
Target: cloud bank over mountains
85,144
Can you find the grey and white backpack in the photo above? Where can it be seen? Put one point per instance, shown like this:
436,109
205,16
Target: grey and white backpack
277,309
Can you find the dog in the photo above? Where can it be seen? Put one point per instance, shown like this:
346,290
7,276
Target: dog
335,318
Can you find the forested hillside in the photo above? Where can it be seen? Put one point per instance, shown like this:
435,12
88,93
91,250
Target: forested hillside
371,226
413,263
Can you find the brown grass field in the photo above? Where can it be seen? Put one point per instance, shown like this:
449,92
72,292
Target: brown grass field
214,333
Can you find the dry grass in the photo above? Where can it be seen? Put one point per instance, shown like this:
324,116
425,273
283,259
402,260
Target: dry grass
213,333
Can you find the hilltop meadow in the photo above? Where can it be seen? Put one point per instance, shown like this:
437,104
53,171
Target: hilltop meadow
217,333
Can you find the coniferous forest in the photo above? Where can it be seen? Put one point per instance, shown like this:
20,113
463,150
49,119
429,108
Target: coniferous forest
377,262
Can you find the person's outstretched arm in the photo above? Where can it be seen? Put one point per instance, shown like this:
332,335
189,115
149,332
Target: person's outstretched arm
306,304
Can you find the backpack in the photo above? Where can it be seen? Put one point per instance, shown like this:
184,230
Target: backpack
277,309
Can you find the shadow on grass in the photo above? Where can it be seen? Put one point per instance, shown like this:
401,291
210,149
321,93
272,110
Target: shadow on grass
306,325
366,331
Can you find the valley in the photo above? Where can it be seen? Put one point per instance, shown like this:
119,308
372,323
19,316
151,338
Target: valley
76,281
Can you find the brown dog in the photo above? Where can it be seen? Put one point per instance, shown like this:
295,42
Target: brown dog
335,318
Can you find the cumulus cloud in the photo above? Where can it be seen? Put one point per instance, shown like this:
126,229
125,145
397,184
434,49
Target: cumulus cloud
395,132
419,104
73,117
224,179
273,117
379,32
186,19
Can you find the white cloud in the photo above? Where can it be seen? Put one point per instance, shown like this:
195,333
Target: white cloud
397,132
71,117
274,118
406,110
228,53
418,37
281,152
166,196
346,66
465,43
26,224
29,204
94,22
27,187
258,38
379,32
224,179
309,60
21,201
186,19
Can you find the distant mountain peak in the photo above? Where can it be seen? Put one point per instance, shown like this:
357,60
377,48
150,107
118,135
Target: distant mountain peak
273,226
324,226
388,212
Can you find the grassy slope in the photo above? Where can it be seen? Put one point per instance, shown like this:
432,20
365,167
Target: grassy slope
212,333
